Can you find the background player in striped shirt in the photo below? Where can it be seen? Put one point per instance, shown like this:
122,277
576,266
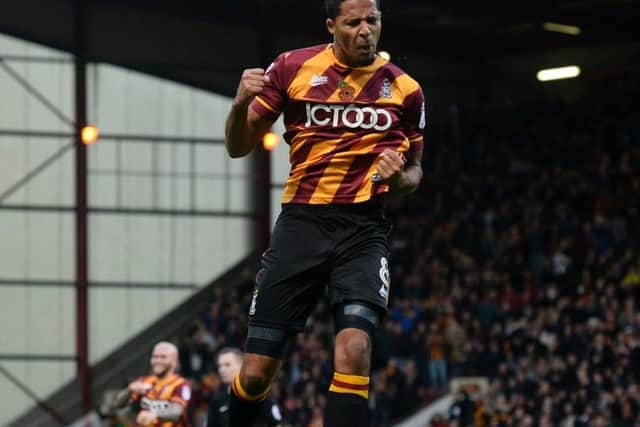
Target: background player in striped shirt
164,395
354,126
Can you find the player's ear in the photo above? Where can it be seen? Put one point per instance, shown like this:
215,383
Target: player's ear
331,26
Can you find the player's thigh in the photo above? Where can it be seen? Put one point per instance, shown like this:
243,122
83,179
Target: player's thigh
361,272
285,304
292,276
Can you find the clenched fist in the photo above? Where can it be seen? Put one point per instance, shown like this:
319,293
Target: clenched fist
251,84
389,164
139,387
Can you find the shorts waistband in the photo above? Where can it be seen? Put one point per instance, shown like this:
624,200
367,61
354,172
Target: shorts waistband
371,208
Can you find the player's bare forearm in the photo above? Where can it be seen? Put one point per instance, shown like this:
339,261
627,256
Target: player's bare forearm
172,413
121,398
408,180
238,136
244,127
402,176
162,409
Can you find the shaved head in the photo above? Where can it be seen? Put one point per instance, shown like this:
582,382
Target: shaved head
164,359
169,347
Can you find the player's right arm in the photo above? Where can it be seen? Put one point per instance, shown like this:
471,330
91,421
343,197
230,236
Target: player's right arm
244,127
133,391
121,399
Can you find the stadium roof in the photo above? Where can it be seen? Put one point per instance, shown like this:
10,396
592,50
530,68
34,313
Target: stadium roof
206,44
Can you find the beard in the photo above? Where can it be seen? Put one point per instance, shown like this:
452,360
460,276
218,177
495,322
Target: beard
365,60
161,371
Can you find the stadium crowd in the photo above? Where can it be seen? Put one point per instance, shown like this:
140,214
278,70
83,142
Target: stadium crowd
517,260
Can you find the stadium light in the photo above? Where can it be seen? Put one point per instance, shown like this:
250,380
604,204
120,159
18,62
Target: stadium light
554,27
558,73
89,135
270,141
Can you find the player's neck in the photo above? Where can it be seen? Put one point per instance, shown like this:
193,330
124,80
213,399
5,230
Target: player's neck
165,376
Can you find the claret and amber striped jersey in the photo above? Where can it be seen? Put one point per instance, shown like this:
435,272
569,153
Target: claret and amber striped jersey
173,388
338,120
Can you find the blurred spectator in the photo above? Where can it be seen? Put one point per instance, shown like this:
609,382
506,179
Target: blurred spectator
435,344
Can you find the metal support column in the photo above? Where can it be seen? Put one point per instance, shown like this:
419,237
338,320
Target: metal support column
262,197
262,159
82,312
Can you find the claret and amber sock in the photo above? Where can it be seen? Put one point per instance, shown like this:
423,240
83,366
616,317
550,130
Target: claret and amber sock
347,402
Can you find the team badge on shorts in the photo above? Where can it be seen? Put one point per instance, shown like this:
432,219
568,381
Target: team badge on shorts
346,91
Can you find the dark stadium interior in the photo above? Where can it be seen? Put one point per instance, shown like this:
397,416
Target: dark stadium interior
444,43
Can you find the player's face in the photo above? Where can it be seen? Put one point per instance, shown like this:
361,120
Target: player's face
228,367
356,32
163,361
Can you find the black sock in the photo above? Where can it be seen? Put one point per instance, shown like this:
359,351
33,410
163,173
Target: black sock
346,410
242,413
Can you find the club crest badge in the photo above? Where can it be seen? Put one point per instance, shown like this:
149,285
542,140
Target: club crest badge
346,91
385,90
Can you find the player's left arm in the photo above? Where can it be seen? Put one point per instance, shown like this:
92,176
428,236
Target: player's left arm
165,410
403,174
169,410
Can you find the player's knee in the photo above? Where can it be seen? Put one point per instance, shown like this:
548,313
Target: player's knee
353,352
355,324
257,373
255,382
358,347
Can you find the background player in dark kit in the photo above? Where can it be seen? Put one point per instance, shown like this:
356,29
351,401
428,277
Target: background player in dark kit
229,363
